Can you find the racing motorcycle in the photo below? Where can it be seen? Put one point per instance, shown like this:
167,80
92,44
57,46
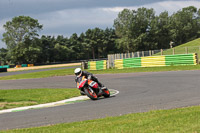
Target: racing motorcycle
91,88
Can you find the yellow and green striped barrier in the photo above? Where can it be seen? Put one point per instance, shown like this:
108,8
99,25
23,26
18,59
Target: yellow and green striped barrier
155,61
97,65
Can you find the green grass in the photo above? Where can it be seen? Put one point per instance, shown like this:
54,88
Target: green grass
26,97
181,120
193,47
63,72
195,42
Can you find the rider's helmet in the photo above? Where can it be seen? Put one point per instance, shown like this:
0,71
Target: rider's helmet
78,72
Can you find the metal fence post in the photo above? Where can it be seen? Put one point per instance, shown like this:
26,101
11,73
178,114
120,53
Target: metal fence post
197,59
143,53
199,49
173,51
186,50
149,52
138,54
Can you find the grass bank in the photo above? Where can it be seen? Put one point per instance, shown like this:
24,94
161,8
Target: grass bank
160,121
189,47
26,97
63,72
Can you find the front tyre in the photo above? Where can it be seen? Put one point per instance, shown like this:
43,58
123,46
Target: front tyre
90,93
106,93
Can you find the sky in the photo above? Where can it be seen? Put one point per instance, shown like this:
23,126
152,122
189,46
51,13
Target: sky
65,17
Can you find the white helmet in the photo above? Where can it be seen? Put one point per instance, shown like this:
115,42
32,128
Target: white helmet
78,72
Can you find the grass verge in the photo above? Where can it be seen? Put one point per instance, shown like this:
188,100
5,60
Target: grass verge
160,121
27,97
62,72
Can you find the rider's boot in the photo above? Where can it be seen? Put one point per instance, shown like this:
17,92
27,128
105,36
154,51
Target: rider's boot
101,86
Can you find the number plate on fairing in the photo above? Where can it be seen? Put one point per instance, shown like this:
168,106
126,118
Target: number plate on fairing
93,84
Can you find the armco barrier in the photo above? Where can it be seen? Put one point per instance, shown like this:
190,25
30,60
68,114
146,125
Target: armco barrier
154,61
97,65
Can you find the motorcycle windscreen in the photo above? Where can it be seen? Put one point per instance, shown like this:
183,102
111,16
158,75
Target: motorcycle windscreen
81,82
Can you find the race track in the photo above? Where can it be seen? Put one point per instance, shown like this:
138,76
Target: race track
138,92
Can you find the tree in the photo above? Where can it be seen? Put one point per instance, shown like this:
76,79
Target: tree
160,31
93,37
109,45
3,56
185,25
47,46
19,31
124,29
132,27
27,52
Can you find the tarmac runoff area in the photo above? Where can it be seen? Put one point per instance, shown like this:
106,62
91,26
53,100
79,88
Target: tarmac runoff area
63,102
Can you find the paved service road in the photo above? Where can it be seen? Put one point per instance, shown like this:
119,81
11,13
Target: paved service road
36,70
138,92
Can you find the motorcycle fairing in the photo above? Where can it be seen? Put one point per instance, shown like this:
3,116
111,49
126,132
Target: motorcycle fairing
93,84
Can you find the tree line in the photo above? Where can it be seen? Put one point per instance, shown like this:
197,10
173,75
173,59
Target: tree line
133,30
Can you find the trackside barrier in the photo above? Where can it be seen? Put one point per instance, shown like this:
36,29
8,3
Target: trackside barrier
97,65
24,65
30,65
18,66
5,66
155,61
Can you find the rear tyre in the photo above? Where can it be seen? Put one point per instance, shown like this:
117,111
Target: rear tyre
90,93
106,93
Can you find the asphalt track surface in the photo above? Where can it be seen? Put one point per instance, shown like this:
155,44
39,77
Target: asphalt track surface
138,92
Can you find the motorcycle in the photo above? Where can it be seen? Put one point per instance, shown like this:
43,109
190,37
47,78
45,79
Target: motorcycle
91,88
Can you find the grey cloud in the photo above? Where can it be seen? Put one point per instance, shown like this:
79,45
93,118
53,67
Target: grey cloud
65,17
21,7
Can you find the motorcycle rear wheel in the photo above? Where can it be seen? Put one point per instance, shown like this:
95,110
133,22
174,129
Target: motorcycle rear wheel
91,94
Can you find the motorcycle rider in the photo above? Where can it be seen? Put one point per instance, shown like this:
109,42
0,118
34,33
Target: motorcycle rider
78,72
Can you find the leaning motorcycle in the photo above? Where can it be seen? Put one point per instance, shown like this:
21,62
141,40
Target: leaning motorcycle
91,88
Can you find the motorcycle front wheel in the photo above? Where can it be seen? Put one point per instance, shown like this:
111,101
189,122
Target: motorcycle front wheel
106,93
90,93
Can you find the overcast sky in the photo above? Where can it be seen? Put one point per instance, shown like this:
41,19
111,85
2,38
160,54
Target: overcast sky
65,17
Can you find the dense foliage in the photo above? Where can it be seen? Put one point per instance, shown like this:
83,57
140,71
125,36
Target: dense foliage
134,30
